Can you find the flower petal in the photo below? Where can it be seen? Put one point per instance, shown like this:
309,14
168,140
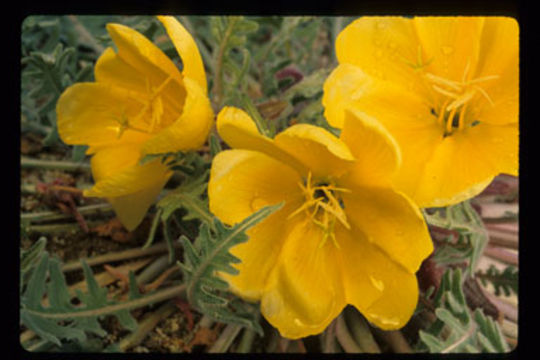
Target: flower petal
240,132
452,43
187,49
500,57
464,164
304,291
378,287
391,222
405,115
117,172
377,152
384,47
131,208
190,130
112,69
319,150
135,49
90,113
243,181
259,255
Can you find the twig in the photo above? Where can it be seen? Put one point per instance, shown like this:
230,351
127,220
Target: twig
118,256
247,339
54,215
501,255
59,228
226,338
27,162
85,35
148,323
344,337
328,339
218,76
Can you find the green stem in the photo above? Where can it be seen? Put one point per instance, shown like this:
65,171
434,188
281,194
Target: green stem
218,85
53,165
118,256
85,35
226,338
247,339
53,215
158,296
344,337
361,332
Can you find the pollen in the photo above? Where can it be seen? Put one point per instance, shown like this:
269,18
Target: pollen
323,205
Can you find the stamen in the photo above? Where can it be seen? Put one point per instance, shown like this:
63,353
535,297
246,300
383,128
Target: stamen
450,121
442,81
440,118
461,123
445,92
483,92
461,100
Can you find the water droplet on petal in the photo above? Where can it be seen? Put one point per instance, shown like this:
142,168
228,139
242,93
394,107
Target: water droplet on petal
447,50
379,285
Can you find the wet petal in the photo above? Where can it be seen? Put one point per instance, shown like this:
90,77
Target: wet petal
451,43
190,130
304,291
319,150
384,47
377,153
187,49
377,286
391,222
240,132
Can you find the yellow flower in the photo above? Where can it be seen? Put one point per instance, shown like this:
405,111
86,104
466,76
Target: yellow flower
446,88
343,236
140,104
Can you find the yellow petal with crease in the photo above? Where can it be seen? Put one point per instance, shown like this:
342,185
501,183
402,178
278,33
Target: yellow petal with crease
377,286
319,150
187,49
238,130
452,43
142,54
117,172
464,164
131,208
391,222
190,130
90,113
259,255
377,152
243,181
304,292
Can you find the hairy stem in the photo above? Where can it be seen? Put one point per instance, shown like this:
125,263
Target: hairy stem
27,162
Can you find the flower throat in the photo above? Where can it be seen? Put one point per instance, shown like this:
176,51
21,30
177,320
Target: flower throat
323,205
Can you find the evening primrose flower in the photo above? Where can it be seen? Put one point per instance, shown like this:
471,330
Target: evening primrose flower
140,104
446,88
343,235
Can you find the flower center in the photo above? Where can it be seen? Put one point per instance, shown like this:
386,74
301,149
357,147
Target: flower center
150,118
452,112
323,205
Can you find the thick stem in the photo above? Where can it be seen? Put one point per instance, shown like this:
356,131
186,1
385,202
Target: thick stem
344,336
226,338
